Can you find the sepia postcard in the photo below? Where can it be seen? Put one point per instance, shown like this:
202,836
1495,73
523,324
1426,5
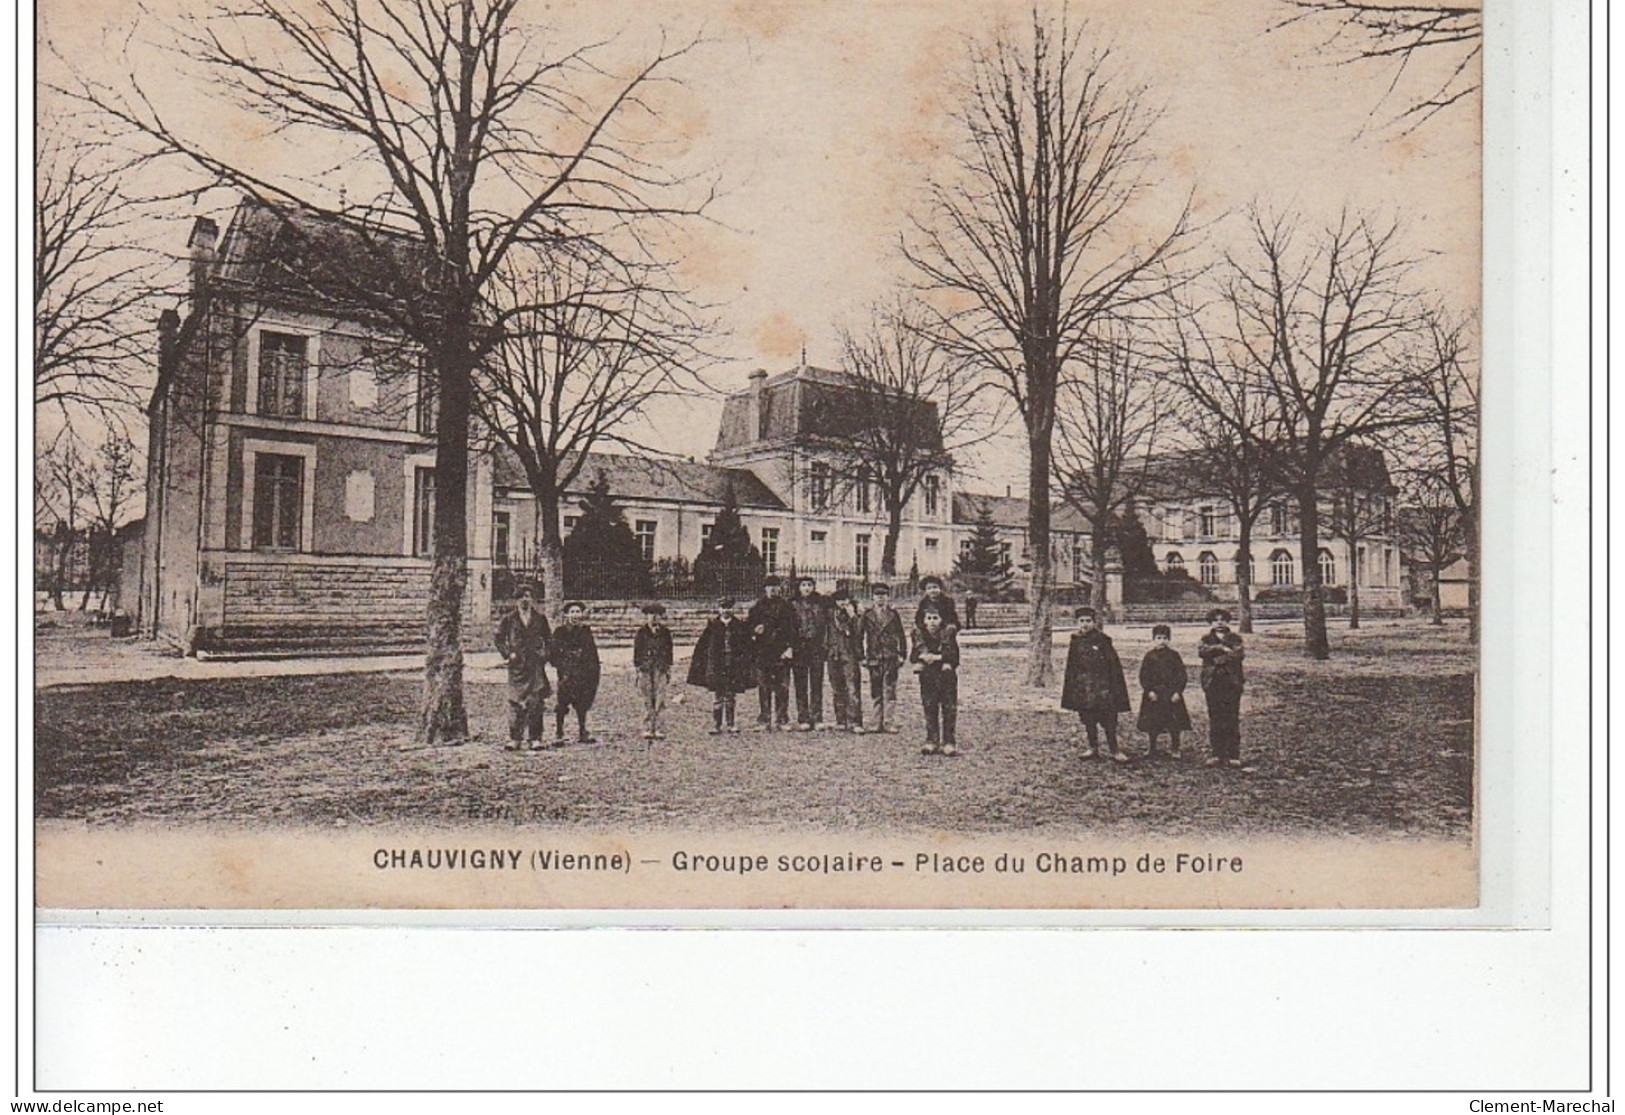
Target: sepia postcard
754,455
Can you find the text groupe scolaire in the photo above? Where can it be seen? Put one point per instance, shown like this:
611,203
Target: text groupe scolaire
810,863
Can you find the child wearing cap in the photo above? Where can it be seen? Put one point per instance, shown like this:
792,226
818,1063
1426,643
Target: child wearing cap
1162,698
1094,687
575,657
844,650
522,639
651,658
722,663
936,598
936,655
884,646
1222,652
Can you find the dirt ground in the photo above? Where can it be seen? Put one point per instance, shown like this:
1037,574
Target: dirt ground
1379,740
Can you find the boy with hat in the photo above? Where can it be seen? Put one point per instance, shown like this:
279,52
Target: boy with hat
937,600
1222,652
1094,687
722,664
575,656
1162,700
884,645
936,654
845,652
772,625
651,658
807,662
522,639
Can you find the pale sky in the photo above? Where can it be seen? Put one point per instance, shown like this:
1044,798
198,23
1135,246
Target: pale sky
822,118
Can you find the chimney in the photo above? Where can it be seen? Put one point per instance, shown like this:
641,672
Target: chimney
756,408
204,234
1007,491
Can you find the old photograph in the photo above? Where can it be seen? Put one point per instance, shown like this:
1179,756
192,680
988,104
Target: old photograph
757,455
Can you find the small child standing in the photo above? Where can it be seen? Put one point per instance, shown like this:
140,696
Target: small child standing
723,662
1162,704
575,657
1222,652
884,646
651,658
936,654
1095,688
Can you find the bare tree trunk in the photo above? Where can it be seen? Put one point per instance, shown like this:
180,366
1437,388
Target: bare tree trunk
1470,535
550,553
894,532
1354,593
1041,590
1316,644
1244,577
1097,570
1438,601
445,716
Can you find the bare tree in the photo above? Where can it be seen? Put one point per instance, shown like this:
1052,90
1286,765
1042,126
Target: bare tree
1322,329
1359,507
450,123
905,409
1404,37
1033,236
63,481
1231,466
115,485
1107,427
1446,439
1431,531
93,285
595,343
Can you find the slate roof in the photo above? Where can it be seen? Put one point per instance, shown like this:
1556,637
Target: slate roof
805,403
319,260
652,479
1011,512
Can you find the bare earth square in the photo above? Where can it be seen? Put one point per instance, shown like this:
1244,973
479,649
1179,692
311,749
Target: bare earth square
1378,742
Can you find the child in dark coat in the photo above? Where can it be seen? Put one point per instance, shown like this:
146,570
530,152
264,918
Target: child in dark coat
1095,688
1162,702
936,654
651,658
724,660
522,638
1222,653
575,657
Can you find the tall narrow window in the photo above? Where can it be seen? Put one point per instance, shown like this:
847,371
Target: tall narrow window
933,494
282,375
818,490
278,501
500,528
860,555
865,492
770,548
1278,518
1281,568
423,512
1328,568
1080,560
1210,522
644,529
1209,566
1175,562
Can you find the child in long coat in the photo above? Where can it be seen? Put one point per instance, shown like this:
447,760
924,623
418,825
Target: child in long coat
651,658
1162,702
724,662
1222,653
1095,687
575,657
522,639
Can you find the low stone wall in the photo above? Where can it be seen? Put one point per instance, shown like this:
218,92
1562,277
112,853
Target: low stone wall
297,600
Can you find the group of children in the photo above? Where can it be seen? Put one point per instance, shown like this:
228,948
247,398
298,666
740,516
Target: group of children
801,637
1096,690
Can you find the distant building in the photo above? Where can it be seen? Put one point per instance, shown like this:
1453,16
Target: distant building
291,479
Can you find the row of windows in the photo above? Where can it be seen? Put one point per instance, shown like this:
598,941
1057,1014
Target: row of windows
1283,570
283,382
1278,519
280,504
820,490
